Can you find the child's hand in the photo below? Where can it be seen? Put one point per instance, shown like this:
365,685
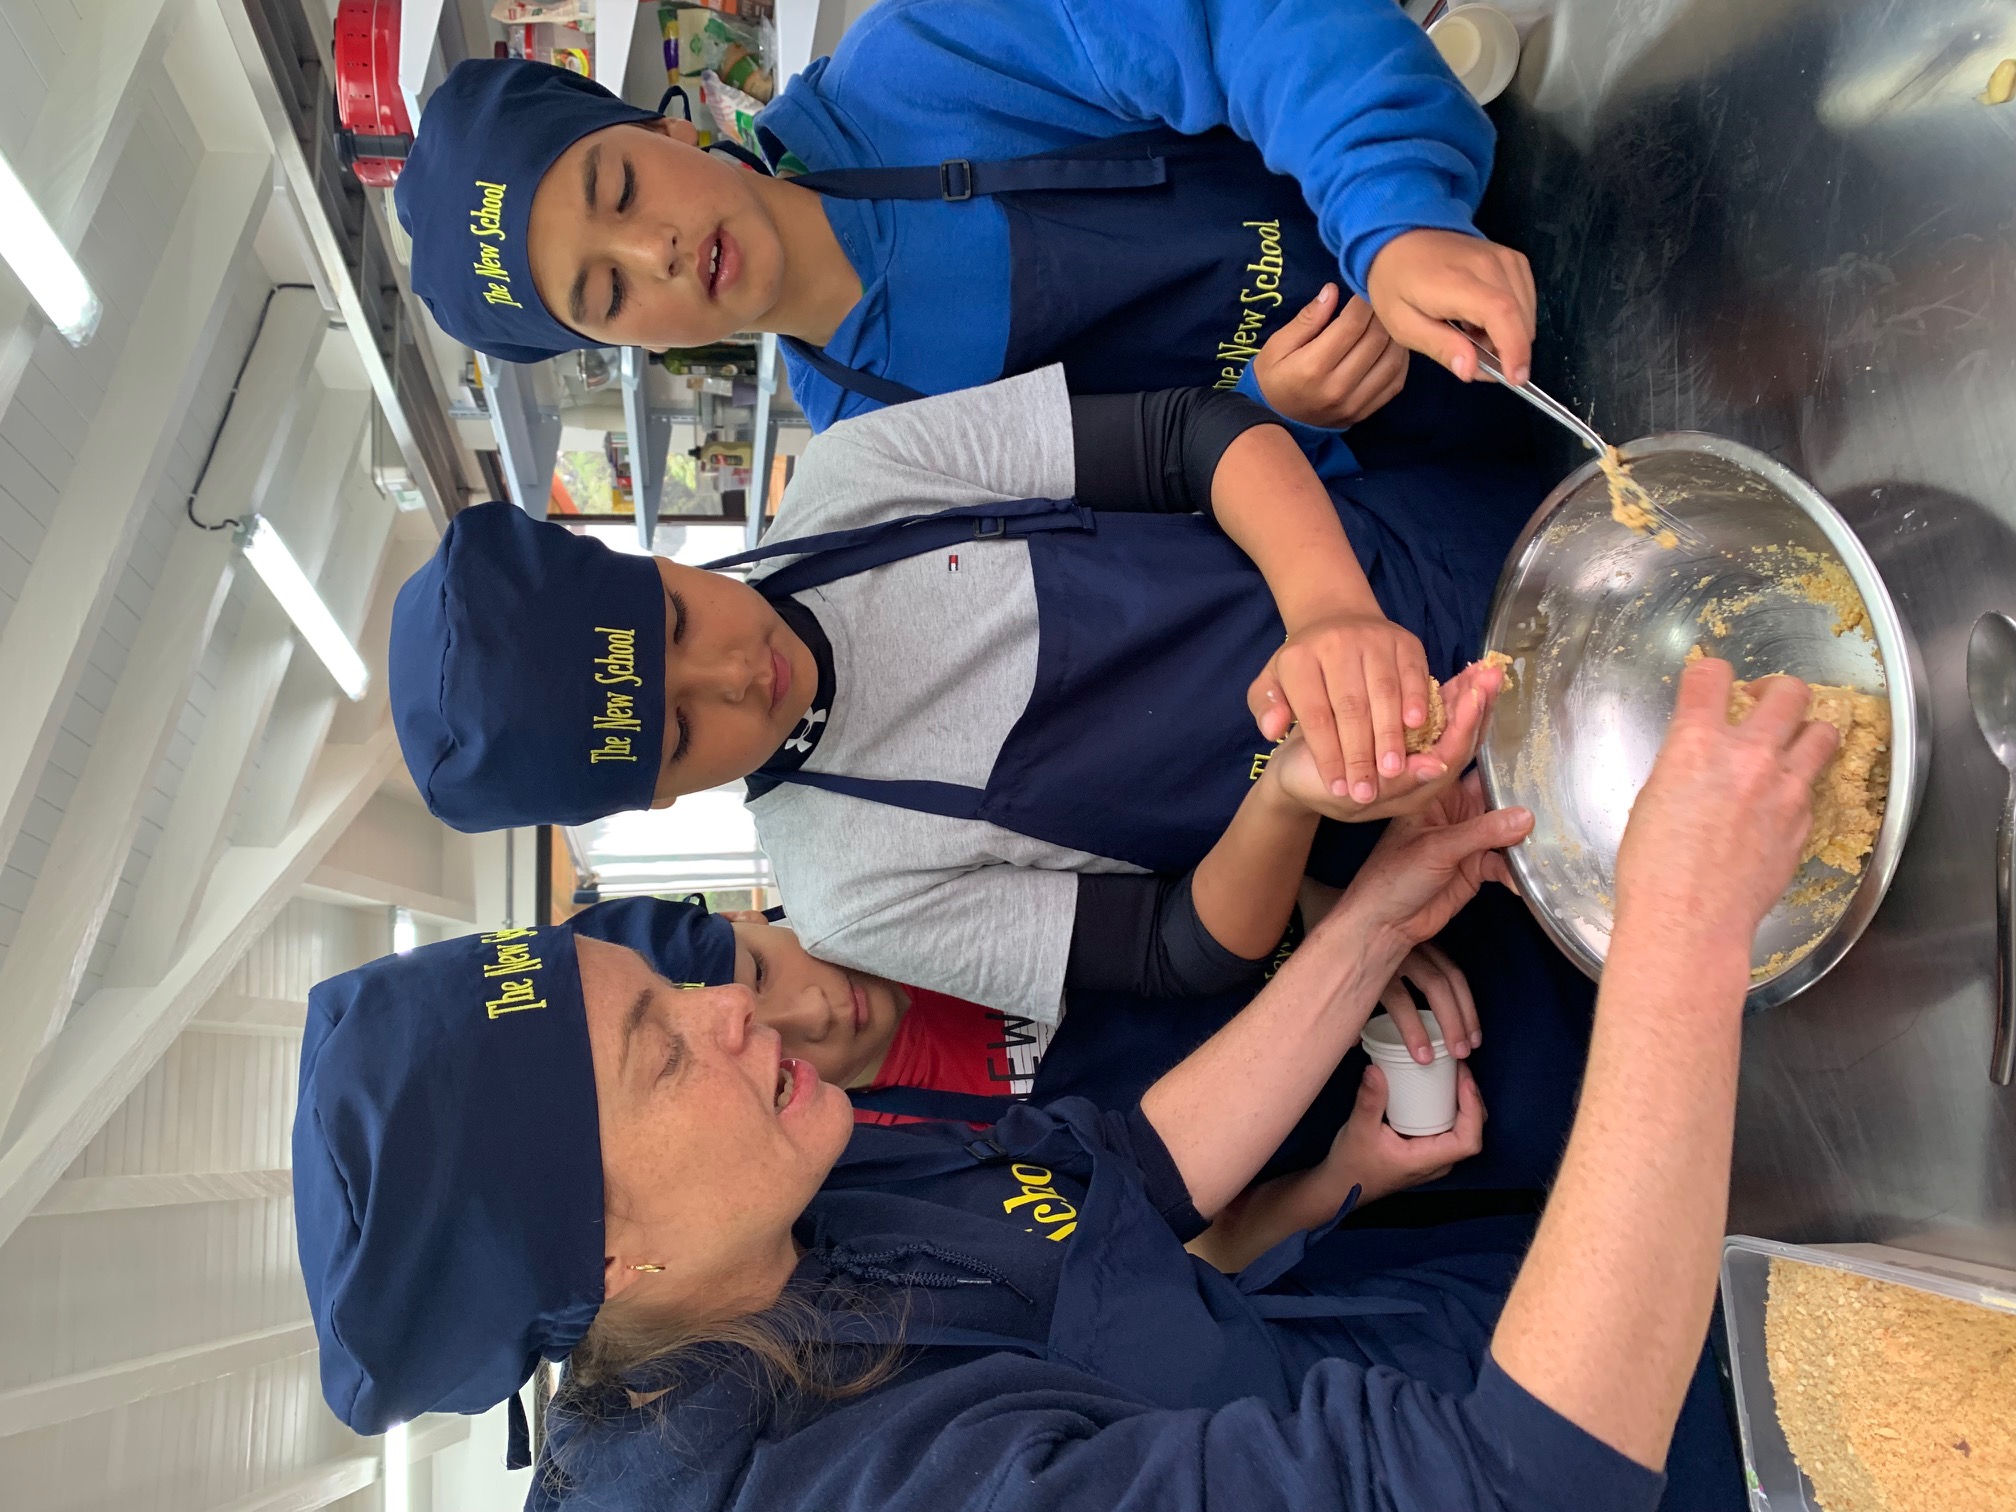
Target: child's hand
1355,683
1467,698
1368,1153
1441,981
1421,280
1330,367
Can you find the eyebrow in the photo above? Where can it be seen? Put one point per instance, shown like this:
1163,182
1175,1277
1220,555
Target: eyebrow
591,173
633,1020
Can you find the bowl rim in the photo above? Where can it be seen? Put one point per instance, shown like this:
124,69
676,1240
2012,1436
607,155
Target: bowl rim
1904,670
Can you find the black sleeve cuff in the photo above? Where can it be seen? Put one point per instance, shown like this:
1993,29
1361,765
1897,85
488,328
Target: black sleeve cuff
1141,934
1156,453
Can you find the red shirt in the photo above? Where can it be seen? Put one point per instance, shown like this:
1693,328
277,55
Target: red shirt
956,1046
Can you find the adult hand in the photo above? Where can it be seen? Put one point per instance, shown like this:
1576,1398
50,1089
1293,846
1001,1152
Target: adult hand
1428,865
1466,698
1441,981
1716,833
1328,366
1355,683
1422,280
1379,1161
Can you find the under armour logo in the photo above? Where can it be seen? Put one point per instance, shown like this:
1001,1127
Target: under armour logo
805,731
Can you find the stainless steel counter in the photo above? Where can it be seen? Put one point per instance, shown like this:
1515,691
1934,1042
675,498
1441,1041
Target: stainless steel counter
1792,222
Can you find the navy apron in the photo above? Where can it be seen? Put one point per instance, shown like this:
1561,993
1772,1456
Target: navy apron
1131,1307
1159,260
1136,743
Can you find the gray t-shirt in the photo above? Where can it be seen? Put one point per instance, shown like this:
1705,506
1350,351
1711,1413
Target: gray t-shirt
934,660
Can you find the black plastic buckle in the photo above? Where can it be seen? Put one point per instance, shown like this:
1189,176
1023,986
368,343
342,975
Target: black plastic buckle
955,179
986,529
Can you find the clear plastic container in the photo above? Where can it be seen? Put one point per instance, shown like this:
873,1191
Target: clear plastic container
1776,1482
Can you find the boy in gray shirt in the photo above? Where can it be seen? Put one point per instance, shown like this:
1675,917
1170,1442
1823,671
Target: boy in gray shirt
999,717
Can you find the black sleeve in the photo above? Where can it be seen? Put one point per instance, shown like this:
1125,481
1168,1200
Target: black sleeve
1141,934
1156,453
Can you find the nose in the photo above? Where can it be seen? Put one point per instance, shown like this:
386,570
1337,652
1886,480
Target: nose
804,1017
643,250
735,1011
722,675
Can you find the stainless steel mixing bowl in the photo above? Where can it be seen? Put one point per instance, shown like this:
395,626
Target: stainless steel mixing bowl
1599,620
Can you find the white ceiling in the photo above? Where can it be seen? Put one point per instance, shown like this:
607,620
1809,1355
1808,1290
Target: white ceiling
194,823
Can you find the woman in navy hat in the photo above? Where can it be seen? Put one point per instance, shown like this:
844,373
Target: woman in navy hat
904,1052
1149,193
529,1145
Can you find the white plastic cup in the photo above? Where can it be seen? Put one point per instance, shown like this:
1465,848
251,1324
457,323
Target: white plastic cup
1419,1099
1481,46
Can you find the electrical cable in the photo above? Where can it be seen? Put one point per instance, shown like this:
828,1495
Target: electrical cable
231,399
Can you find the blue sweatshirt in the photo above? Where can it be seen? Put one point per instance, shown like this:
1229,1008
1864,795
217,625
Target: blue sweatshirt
1345,96
1064,1354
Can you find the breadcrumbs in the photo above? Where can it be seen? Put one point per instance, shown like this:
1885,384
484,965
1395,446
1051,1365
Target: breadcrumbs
1892,1399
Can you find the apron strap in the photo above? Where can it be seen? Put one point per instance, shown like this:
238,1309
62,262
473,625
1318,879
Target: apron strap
837,554
948,800
1129,163
934,1102
855,380
958,179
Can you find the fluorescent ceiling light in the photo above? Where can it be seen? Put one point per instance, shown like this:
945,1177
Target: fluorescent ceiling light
284,578
43,264
396,1497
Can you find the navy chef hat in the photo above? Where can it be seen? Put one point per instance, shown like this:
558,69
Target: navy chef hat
527,674
448,1174
682,942
485,140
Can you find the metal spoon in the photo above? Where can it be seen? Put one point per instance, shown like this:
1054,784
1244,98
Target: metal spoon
1560,414
1991,688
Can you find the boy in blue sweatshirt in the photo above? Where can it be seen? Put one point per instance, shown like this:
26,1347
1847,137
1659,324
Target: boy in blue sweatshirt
1146,191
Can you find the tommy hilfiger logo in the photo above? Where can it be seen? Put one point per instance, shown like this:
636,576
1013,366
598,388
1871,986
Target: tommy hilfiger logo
805,732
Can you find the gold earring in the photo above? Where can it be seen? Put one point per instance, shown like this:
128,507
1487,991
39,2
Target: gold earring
649,1270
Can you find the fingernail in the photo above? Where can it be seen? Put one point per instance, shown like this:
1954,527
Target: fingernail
1426,1057
1364,792
1477,1039
1340,789
1390,763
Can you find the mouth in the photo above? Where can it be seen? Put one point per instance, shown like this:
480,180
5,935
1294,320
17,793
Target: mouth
719,262
860,995
795,1081
780,679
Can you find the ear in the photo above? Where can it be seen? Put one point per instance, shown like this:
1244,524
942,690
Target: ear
617,1277
683,132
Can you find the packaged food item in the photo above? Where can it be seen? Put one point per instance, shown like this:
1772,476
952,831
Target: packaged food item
725,45
732,112
576,13
574,60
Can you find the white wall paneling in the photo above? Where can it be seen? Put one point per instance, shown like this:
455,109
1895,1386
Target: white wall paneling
195,827
199,824
43,644
42,971
79,132
105,1194
118,1033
